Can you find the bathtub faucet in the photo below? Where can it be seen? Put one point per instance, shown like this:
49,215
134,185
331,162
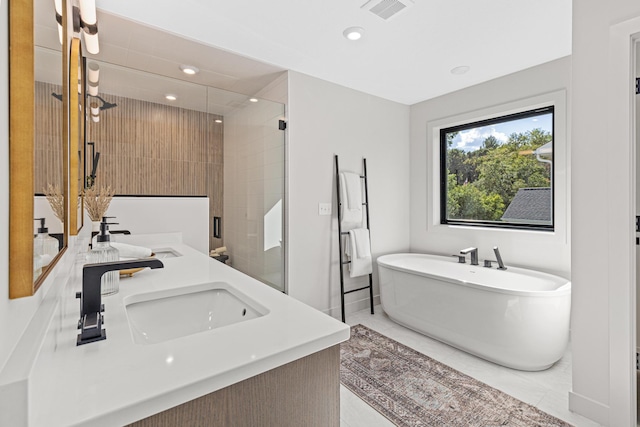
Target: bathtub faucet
499,258
474,254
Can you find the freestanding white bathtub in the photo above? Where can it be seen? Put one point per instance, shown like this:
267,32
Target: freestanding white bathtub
516,317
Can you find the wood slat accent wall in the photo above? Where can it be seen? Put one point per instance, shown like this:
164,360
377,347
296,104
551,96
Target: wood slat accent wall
48,164
145,149
153,149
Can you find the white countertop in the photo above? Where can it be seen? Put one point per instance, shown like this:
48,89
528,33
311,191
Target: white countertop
115,381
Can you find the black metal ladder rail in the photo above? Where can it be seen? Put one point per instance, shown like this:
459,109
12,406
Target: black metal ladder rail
341,233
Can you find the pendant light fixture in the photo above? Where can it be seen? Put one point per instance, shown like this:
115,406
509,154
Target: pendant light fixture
89,25
94,75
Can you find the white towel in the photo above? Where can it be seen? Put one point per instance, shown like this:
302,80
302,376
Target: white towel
359,252
131,251
351,199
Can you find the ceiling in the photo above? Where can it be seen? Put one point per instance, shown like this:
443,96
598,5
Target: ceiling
142,62
407,58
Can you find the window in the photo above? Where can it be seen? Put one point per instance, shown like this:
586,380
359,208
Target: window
499,172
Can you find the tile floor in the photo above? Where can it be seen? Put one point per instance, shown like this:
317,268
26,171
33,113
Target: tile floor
547,390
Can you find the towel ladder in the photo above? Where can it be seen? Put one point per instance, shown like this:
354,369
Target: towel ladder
341,233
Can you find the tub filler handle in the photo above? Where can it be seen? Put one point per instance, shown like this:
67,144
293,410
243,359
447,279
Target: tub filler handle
499,258
487,263
461,258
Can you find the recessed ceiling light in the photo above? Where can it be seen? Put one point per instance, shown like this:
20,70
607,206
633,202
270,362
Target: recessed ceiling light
460,70
171,97
353,33
253,99
189,69
218,121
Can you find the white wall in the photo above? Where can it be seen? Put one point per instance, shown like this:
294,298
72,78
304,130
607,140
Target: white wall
541,250
7,329
14,314
149,215
327,119
637,211
602,258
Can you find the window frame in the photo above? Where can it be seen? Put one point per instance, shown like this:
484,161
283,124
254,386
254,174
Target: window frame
443,131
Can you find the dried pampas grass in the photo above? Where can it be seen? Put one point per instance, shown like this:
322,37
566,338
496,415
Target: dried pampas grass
96,201
56,200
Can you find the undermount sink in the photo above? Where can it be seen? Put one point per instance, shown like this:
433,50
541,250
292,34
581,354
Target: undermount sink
164,253
165,315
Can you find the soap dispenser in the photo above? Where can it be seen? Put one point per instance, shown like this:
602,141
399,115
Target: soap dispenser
94,234
45,247
102,251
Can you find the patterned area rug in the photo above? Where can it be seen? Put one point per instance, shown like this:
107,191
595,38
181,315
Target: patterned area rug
411,389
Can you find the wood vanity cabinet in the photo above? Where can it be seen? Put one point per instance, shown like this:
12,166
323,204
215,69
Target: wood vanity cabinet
305,392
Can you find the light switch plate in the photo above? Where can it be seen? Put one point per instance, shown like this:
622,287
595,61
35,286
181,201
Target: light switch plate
324,208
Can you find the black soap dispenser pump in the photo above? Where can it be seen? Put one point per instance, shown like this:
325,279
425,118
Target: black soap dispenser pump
105,220
95,234
102,251
45,247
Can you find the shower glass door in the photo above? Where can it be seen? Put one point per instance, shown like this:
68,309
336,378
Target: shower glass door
254,165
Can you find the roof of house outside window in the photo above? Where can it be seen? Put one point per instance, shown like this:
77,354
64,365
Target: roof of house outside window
530,205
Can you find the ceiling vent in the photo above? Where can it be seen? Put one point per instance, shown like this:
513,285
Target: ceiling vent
385,9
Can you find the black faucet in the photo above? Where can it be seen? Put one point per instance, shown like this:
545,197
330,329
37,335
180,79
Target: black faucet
90,323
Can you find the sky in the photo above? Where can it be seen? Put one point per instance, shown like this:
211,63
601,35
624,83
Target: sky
472,139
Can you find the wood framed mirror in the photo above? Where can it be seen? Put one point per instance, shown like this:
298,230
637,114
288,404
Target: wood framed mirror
76,135
36,134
